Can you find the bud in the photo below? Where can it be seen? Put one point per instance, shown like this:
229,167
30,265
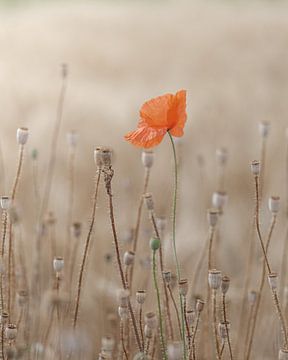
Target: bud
5,202
141,296
274,204
107,343
190,316
123,312
212,217
175,351
199,305
34,154
225,284
283,354
273,281
252,296
149,201
154,243
219,199
123,297
264,128
151,320
221,156
11,332
22,135
72,138
183,287
214,279
128,258
255,167
58,264
167,277
147,158
76,229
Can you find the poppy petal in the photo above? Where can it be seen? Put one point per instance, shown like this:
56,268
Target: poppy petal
146,137
177,114
154,112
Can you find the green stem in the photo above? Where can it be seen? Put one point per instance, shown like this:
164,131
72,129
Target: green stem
159,306
174,242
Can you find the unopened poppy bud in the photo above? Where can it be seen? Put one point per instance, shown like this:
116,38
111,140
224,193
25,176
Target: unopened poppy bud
149,201
22,135
214,279
141,296
167,276
212,217
128,258
4,318
154,243
5,202
107,343
225,284
22,297
148,332
274,204
123,297
123,312
58,264
76,229
183,287
175,351
34,154
190,316
147,158
72,138
11,332
264,128
255,167
222,156
252,296
151,320
219,199
222,329
283,354
199,305
273,281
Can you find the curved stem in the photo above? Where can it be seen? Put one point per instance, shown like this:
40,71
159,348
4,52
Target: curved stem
226,326
164,354
174,211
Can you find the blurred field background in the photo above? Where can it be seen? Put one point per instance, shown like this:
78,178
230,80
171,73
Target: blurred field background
232,57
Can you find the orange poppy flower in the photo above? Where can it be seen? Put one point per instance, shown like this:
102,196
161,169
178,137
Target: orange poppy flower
157,116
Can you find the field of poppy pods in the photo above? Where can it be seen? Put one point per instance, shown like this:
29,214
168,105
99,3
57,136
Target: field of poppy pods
144,180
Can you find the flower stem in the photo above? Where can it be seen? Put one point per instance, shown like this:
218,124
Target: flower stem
164,354
174,241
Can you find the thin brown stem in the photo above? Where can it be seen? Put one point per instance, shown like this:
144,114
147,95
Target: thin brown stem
214,323
175,308
123,340
226,325
87,242
141,323
194,336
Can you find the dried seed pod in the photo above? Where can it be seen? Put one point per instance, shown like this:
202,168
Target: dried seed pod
199,305
214,279
58,264
123,312
221,156
219,199
141,296
76,229
283,354
222,329
273,281
98,157
148,332
167,277
274,204
11,332
128,258
147,158
22,135
123,297
5,202
4,318
225,284
175,351
212,217
183,287
72,138
141,356
151,320
107,343
149,201
255,167
264,128
106,154
190,316
252,296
